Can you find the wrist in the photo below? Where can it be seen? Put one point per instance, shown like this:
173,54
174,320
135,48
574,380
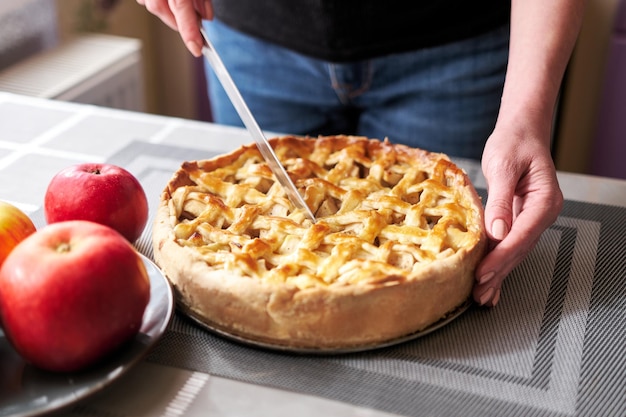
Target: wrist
526,116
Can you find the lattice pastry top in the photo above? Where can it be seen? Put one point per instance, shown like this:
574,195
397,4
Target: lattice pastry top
386,214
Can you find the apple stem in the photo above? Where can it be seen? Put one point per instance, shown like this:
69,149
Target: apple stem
63,247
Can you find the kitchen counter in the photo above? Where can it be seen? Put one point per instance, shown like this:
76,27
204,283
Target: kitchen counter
554,346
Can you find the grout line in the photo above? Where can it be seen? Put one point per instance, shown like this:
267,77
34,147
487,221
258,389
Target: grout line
34,145
63,126
168,128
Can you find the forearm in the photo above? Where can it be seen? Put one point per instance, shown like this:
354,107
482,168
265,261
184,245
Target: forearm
543,34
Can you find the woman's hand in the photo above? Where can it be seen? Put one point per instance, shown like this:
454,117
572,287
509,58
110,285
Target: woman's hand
524,200
524,195
183,16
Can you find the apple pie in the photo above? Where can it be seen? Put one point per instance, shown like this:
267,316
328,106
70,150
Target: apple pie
398,235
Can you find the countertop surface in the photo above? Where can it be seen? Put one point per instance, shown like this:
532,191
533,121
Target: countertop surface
554,346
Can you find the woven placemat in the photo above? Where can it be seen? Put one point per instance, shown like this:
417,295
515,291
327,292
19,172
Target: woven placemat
554,346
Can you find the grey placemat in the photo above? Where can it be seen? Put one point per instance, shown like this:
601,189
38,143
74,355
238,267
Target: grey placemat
554,346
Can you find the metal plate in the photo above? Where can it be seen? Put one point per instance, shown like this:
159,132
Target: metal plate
324,351
28,391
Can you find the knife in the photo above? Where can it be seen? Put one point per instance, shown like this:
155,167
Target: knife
266,150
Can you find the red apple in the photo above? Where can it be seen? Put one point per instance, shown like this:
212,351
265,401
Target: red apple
15,226
71,293
101,193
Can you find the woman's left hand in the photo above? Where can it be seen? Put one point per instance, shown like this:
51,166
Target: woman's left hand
524,200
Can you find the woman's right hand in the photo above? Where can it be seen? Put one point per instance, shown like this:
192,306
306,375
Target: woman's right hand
183,16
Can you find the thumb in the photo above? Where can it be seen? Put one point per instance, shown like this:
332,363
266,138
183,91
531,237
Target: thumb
499,206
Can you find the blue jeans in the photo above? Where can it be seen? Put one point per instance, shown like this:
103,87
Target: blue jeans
442,99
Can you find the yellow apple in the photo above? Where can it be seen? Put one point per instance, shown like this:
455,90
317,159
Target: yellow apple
15,226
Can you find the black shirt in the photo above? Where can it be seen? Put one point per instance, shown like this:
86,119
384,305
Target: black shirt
349,30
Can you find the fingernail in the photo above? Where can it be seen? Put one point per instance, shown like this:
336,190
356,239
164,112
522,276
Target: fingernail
195,48
487,296
486,277
496,298
499,229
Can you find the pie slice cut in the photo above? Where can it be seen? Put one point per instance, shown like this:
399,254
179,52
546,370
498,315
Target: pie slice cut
399,233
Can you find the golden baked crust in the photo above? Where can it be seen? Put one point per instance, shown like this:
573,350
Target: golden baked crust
398,235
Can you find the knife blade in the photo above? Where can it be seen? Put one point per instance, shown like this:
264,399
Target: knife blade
255,131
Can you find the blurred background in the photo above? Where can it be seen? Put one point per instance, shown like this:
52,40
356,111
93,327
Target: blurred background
60,30
115,53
